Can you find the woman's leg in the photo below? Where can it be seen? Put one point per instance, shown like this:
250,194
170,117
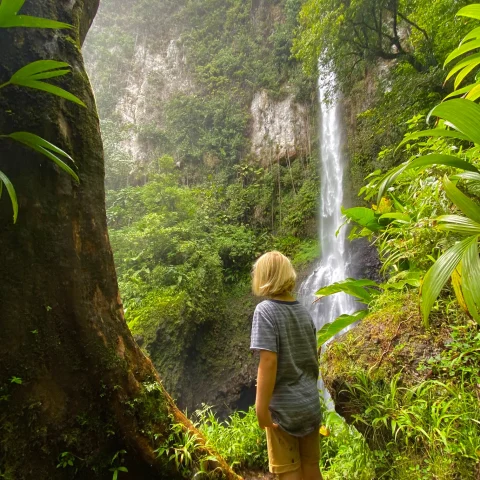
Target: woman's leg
295,475
309,447
311,472
283,454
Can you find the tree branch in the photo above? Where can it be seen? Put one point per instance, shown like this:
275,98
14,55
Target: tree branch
414,25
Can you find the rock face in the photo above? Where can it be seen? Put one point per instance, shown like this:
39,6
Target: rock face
155,77
280,128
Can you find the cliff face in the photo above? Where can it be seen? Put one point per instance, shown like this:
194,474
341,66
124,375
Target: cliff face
280,128
135,72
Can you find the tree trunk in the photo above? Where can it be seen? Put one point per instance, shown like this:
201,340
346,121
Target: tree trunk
72,379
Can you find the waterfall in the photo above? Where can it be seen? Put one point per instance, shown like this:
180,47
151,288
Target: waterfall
332,266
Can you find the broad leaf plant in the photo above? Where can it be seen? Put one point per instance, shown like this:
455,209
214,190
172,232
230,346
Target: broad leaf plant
457,119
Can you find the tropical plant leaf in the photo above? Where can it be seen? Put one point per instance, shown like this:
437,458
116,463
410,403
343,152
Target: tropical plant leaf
458,224
439,273
31,74
474,93
461,91
361,289
471,279
437,132
464,203
10,7
31,22
434,159
465,71
472,176
44,147
462,114
36,68
399,281
472,11
396,216
475,33
464,48
329,330
47,87
472,59
4,180
457,287
363,216
9,17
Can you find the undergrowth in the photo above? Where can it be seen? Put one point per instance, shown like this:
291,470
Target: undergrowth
239,439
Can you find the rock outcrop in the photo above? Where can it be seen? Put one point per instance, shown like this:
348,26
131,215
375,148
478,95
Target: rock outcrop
280,128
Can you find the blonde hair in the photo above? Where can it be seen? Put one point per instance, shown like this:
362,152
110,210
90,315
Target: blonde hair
273,275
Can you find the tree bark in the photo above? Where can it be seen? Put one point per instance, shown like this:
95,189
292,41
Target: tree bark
72,379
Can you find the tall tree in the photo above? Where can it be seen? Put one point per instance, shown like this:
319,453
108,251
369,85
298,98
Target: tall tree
77,396
350,34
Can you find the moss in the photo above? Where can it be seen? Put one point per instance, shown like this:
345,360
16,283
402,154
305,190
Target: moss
390,340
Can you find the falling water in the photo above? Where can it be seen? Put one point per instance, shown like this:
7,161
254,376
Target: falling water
332,266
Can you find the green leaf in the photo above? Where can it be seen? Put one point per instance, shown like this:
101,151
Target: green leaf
425,161
458,224
31,22
360,289
47,87
465,72
472,11
27,137
39,66
464,203
329,330
31,74
364,217
472,176
475,33
45,148
53,74
464,48
10,7
11,192
462,114
438,275
464,63
406,277
9,18
471,279
474,93
401,217
461,91
437,132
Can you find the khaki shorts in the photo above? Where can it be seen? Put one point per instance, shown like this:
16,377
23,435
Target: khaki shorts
287,453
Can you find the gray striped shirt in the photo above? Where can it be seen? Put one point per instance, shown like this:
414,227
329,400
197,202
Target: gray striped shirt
287,329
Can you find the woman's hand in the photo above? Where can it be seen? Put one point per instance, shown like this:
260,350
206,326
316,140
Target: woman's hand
265,420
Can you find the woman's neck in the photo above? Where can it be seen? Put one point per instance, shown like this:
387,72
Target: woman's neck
287,297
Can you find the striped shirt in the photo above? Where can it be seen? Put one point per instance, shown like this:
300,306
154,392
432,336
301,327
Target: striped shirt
287,329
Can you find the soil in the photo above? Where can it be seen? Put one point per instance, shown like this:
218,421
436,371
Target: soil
251,475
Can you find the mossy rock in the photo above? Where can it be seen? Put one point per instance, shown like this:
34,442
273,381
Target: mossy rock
390,341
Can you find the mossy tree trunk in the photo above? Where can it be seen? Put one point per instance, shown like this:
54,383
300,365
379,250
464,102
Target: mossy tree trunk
72,379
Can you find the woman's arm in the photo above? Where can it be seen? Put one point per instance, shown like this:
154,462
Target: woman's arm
267,374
